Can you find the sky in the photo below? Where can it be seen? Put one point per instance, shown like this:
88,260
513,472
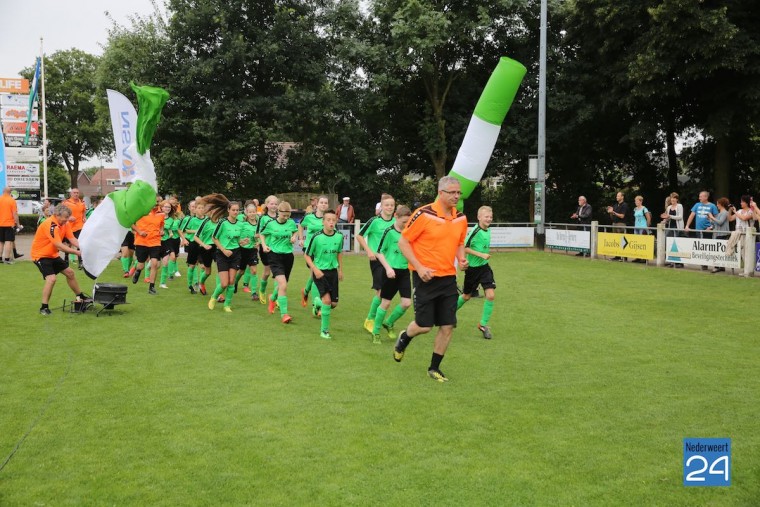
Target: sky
63,24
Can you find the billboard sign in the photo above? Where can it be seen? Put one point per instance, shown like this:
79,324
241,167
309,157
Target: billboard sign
14,85
16,113
10,100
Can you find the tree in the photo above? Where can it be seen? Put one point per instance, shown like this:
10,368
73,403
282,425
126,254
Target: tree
75,130
58,180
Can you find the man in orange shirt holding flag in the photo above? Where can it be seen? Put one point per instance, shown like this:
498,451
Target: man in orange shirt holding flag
431,240
46,248
78,211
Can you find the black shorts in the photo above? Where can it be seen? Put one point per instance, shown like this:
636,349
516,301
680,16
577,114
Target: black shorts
435,302
7,234
192,249
51,266
378,272
129,240
224,263
143,253
328,284
264,257
166,247
77,233
480,275
401,284
281,264
173,245
248,257
206,256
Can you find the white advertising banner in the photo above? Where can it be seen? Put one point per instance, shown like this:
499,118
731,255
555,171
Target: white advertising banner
573,241
22,154
16,113
512,237
124,125
23,175
702,252
17,140
12,99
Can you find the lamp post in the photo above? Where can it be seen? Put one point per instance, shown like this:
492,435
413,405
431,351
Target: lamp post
540,185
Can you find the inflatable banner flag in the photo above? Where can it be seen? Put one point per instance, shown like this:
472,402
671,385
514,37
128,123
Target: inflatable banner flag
104,231
485,125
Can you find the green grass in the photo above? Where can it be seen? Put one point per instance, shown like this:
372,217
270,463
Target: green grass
596,373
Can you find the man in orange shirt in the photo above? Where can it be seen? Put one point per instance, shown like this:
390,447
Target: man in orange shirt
8,223
78,211
431,240
148,231
46,248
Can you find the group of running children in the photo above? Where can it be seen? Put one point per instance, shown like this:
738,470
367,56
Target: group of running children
218,230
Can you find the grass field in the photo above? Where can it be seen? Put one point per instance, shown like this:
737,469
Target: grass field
596,373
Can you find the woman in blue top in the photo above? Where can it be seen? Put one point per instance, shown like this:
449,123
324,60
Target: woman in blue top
642,216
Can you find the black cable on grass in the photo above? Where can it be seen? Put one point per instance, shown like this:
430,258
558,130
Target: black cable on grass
44,408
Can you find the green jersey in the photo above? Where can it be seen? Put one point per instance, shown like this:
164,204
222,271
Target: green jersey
265,219
248,230
373,230
479,240
206,231
324,249
312,224
278,235
228,233
170,228
388,246
189,226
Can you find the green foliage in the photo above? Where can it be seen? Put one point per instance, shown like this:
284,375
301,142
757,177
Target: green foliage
167,403
58,180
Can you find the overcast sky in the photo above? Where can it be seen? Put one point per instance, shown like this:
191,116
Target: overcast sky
63,24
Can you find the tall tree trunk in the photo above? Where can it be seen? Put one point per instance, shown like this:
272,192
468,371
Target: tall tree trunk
670,136
722,166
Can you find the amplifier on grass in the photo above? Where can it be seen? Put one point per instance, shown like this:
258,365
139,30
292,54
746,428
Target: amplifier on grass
109,294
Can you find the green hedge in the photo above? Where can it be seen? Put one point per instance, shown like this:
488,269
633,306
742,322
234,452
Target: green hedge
29,222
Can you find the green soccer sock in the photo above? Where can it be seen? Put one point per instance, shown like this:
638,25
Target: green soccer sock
487,311
164,274
190,275
134,262
326,310
247,277
147,269
217,291
228,296
460,302
218,281
283,305
263,288
373,308
396,314
173,267
204,277
238,276
309,283
254,282
275,288
379,317
125,261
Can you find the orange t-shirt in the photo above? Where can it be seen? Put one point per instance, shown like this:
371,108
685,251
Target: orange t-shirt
434,237
49,231
153,224
78,209
8,211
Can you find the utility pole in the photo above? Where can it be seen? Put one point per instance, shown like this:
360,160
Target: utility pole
540,188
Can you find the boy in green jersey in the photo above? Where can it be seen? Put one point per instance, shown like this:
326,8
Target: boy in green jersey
477,246
369,237
187,229
309,226
270,204
249,253
396,277
324,256
277,238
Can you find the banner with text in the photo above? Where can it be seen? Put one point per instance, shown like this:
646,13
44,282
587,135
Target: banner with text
11,100
512,237
14,85
702,252
757,257
572,241
19,128
635,246
124,125
17,113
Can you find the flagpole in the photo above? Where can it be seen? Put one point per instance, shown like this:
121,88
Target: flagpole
44,122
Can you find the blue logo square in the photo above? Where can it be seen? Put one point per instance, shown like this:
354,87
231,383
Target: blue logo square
706,461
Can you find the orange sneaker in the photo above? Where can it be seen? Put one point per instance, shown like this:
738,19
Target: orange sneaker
286,319
272,304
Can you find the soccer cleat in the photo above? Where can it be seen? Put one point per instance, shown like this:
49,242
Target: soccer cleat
171,278
486,331
192,290
152,291
325,335
437,375
262,298
135,277
304,298
254,297
391,332
246,289
271,306
228,309
126,274
164,286
45,311
286,319
146,280
177,274
398,354
316,312
211,304
17,255
376,339
131,271
220,299
369,325
202,289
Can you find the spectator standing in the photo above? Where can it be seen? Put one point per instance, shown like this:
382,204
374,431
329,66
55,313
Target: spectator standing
345,211
673,216
720,224
619,215
744,219
642,218
312,207
8,223
78,210
583,216
700,211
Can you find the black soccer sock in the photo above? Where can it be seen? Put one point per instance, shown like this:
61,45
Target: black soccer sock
43,306
435,362
82,295
403,340
153,286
